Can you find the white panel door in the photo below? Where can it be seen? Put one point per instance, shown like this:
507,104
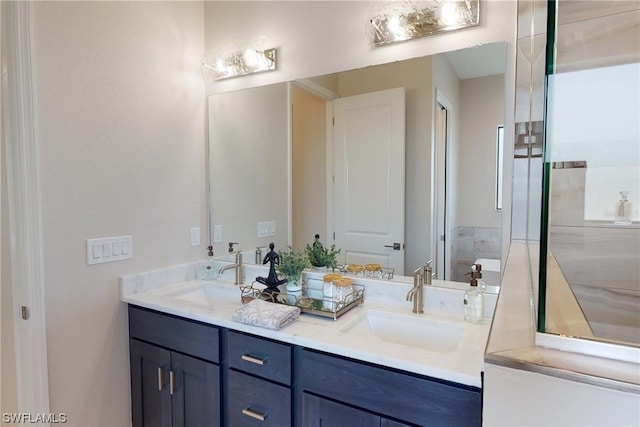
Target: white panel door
369,138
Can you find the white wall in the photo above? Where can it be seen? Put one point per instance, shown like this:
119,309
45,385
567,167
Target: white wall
308,168
482,113
323,37
248,141
120,124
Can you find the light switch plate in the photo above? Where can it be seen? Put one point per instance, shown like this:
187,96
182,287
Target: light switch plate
217,233
195,236
266,228
108,249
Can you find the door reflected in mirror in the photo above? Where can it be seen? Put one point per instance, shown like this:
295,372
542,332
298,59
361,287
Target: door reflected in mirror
274,163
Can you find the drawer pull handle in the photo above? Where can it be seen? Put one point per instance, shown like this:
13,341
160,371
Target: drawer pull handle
159,378
254,414
171,383
252,359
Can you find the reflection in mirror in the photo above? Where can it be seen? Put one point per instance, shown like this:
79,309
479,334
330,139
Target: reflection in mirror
269,168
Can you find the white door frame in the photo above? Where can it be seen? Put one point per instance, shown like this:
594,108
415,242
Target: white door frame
23,183
440,181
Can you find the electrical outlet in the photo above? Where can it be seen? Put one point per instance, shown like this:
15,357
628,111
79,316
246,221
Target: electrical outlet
217,233
109,249
266,228
195,236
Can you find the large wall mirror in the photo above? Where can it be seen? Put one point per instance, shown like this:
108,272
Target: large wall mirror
275,154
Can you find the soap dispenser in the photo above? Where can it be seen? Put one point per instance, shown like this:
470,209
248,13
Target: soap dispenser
482,286
623,209
473,304
206,269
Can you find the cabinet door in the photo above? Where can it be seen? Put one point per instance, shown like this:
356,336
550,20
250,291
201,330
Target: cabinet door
150,398
319,412
196,392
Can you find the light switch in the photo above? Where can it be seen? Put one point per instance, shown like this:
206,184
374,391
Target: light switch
124,247
96,251
109,249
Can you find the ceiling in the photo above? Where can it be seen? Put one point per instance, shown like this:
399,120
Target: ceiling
479,61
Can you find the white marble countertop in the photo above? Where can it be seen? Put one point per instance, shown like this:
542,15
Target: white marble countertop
443,304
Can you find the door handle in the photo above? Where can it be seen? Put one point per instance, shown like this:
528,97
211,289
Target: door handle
395,246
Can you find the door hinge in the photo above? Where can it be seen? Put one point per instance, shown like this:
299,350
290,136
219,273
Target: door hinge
24,310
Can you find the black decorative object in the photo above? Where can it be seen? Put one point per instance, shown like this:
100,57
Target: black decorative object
272,282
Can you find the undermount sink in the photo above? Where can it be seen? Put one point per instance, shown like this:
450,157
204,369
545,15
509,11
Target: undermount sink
412,331
207,294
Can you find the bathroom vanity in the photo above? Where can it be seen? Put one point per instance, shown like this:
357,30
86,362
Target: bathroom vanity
192,365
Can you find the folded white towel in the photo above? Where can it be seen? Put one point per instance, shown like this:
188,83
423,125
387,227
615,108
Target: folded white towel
266,314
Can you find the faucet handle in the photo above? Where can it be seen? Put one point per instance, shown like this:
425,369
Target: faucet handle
231,246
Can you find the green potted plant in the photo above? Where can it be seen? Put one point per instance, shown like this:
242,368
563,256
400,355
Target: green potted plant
292,263
320,256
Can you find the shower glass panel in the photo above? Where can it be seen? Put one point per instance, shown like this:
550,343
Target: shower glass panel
590,240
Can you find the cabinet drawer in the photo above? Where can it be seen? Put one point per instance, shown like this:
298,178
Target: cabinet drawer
259,356
183,335
415,399
256,402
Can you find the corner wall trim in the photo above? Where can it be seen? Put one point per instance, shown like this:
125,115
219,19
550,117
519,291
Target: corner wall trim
23,182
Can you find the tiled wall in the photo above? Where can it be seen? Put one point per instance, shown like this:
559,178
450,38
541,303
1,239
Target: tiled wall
469,244
597,33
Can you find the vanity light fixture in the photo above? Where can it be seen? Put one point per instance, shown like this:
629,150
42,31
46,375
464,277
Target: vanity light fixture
404,20
239,61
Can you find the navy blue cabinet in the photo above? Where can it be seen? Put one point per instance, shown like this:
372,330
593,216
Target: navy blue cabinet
187,373
394,395
170,388
259,381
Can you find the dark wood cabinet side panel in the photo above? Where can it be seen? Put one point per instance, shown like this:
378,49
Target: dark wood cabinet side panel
406,397
196,396
183,335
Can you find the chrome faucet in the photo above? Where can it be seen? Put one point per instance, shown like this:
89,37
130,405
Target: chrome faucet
259,254
237,265
421,277
417,293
